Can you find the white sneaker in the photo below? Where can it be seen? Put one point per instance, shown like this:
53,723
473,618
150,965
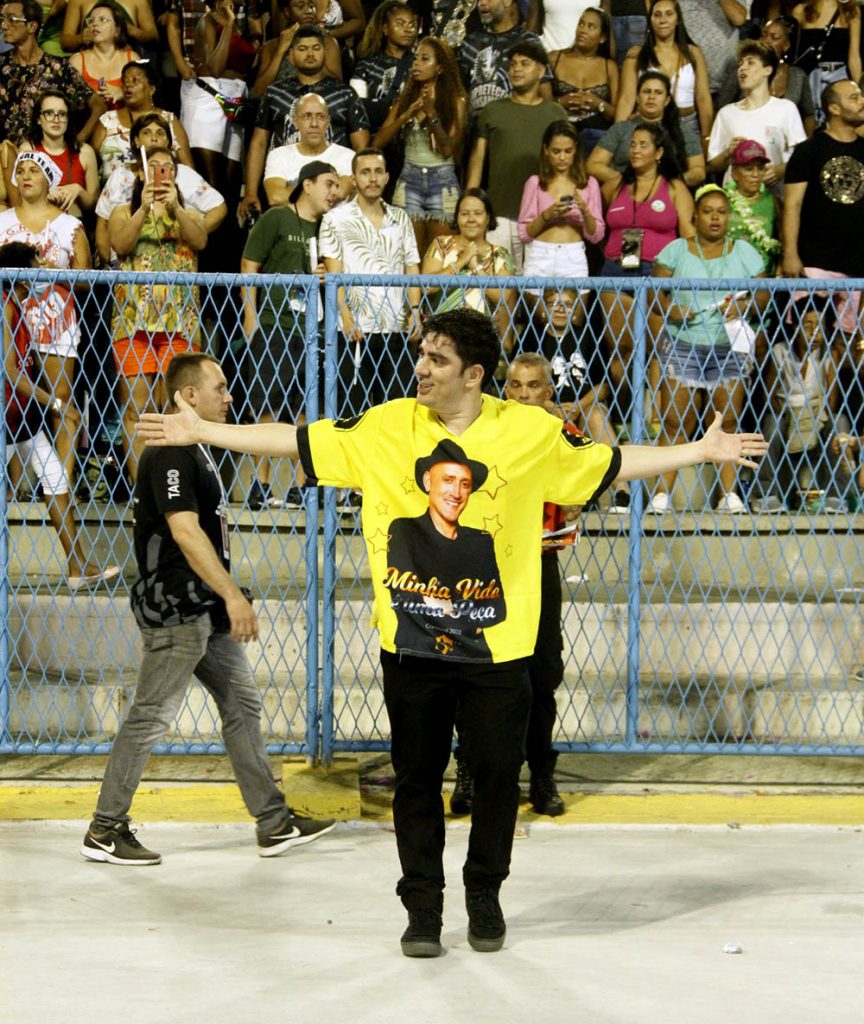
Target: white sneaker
731,504
660,504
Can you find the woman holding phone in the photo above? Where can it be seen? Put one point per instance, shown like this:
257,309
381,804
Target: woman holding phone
102,60
561,208
154,232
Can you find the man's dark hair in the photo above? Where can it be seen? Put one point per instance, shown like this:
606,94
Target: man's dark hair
185,370
18,256
533,49
308,32
367,151
830,95
31,10
473,335
762,51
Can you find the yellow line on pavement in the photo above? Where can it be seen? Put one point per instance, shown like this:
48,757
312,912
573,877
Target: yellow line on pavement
222,803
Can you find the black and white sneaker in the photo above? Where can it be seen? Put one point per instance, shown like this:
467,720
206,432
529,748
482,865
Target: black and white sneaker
621,502
295,830
486,925
117,845
294,498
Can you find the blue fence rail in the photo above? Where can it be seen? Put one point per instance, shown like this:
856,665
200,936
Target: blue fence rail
696,631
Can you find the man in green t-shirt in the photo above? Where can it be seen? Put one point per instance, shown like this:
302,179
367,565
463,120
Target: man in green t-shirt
528,458
282,242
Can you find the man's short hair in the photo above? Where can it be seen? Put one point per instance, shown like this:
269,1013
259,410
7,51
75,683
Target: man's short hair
473,335
533,49
31,9
531,361
367,151
763,52
307,32
18,256
184,370
830,95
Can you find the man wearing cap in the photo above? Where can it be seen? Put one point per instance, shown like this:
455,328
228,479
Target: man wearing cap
754,212
528,459
311,118
282,242
773,122
427,556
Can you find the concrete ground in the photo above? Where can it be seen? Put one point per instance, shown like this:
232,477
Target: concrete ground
606,925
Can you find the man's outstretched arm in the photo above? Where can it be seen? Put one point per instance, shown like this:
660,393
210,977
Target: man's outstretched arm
640,461
187,427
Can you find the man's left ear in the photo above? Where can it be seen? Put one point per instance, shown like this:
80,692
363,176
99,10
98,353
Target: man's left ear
474,374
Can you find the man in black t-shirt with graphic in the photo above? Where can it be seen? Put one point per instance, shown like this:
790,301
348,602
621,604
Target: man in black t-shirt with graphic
193,618
823,201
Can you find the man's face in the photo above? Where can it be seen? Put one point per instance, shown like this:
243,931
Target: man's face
312,119
449,487
441,382
528,385
304,12
850,102
211,398
370,177
524,73
752,72
401,29
323,192
16,28
307,55
492,12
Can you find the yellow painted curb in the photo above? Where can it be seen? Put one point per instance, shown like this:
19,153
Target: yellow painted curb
328,793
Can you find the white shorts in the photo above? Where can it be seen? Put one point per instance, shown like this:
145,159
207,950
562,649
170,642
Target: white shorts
550,259
205,121
44,461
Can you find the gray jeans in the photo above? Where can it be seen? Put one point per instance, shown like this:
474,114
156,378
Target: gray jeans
172,655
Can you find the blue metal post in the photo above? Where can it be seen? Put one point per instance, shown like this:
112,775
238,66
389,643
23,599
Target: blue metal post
634,553
310,596
328,594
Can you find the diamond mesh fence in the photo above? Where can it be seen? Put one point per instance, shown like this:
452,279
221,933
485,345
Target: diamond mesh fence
708,611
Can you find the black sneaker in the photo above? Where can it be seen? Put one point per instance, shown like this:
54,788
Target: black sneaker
621,502
422,937
486,925
116,845
295,830
463,791
261,496
544,796
294,498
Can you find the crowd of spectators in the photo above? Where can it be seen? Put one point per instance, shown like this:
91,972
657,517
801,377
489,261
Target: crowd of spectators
544,138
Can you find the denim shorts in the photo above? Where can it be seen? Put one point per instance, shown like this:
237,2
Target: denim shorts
613,268
701,366
428,193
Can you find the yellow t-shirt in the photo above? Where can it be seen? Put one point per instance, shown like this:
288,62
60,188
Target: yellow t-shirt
474,596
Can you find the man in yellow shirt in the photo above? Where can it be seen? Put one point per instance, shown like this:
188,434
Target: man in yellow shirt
528,459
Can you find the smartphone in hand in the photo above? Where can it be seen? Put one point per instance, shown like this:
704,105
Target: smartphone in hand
161,174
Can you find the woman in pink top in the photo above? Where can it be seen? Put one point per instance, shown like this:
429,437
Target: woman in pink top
647,207
561,208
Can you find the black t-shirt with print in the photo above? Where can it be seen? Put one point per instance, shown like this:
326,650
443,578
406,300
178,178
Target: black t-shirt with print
168,592
832,213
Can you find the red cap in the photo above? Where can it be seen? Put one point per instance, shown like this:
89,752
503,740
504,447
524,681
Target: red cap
747,152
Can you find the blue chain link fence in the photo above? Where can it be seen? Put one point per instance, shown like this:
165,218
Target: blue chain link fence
698,624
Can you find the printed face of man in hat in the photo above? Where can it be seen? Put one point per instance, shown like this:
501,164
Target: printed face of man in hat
448,485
